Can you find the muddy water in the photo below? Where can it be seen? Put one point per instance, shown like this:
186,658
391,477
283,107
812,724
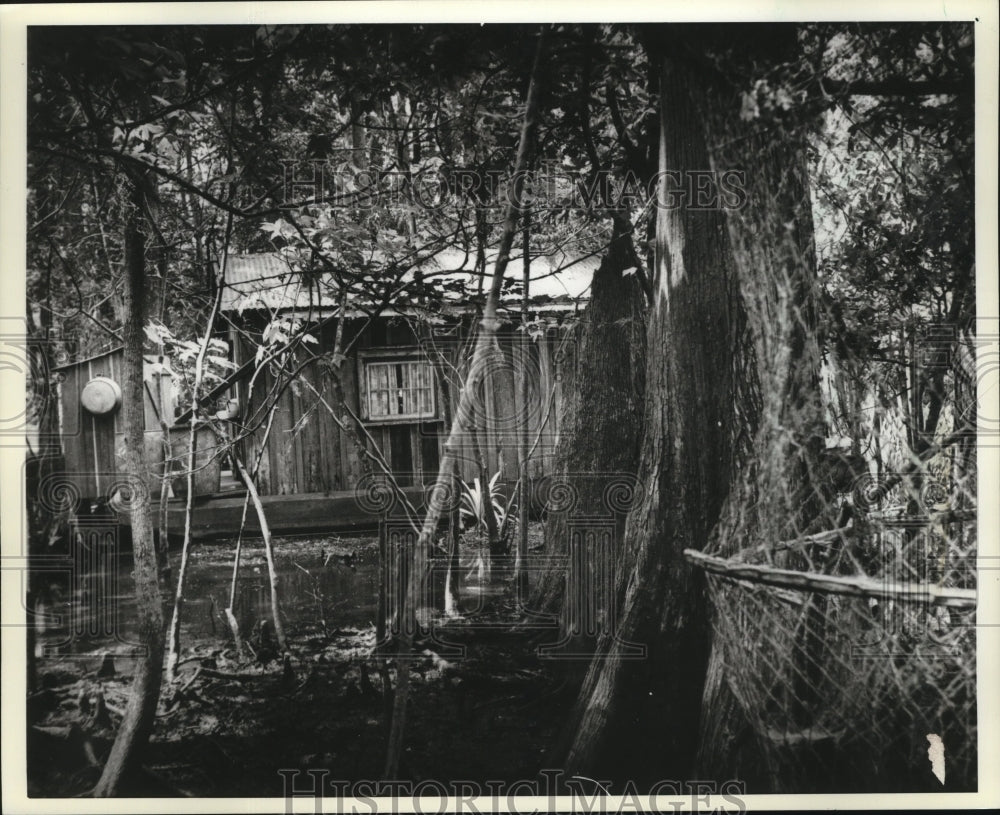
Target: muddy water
323,583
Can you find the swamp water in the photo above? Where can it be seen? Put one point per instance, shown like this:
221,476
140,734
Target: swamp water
89,607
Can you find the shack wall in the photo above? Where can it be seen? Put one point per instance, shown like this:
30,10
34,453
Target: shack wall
90,443
305,451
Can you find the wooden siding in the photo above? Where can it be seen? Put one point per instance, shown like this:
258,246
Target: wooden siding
306,452
90,442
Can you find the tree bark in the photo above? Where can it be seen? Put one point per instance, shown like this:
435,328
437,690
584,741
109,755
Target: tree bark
730,322
625,707
604,414
137,724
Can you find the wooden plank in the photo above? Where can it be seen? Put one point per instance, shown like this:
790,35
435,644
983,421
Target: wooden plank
332,443
430,441
548,345
308,440
507,416
275,444
251,447
529,411
400,445
103,430
417,453
487,430
540,404
76,435
323,427
115,372
554,383
350,455
313,453
294,440
339,511
328,454
280,465
272,485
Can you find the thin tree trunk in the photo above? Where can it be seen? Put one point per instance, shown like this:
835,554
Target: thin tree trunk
174,637
452,583
453,577
598,453
521,563
137,723
234,625
415,588
163,550
265,530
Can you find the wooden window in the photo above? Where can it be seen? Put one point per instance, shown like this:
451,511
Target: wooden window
399,389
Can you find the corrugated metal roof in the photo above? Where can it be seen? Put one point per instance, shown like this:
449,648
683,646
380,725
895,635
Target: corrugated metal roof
270,281
115,350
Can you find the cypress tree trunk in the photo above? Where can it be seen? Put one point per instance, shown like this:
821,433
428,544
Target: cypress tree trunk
730,306
626,707
603,421
137,725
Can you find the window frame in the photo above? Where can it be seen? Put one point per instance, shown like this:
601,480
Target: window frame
395,356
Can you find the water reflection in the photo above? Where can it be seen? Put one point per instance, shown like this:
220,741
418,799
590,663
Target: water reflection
90,607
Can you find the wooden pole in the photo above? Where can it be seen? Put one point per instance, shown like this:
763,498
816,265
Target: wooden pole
834,584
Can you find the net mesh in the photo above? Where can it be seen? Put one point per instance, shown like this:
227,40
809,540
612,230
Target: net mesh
842,579
854,689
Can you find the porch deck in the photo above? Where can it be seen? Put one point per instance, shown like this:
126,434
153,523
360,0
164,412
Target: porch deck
219,515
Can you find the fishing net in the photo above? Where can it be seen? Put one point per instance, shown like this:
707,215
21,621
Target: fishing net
852,653
842,576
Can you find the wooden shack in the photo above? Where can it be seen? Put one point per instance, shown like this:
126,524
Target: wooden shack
399,377
400,374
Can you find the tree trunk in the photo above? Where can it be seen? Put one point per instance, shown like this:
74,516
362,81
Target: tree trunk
453,577
604,423
174,632
521,561
137,724
493,547
730,306
174,635
265,531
